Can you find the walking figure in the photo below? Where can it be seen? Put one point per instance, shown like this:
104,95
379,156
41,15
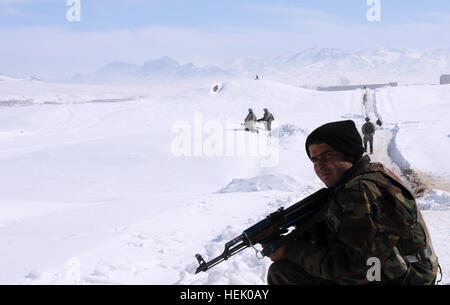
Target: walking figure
365,95
368,130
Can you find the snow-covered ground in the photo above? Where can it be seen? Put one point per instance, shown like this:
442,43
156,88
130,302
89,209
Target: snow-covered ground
96,188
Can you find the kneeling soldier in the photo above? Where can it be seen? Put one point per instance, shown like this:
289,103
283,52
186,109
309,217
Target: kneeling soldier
369,214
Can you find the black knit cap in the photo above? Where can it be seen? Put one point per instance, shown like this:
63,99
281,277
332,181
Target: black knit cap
341,135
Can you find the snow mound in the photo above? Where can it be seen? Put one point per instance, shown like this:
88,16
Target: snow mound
287,130
394,151
352,116
260,183
434,200
292,137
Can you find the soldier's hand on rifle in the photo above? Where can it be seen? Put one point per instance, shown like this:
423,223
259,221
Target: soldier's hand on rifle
278,254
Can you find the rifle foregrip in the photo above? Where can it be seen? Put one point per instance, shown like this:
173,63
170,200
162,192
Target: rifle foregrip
268,250
274,246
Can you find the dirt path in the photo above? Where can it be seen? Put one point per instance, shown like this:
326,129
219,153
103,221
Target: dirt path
434,182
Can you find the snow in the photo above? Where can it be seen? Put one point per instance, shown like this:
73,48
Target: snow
94,193
421,114
262,183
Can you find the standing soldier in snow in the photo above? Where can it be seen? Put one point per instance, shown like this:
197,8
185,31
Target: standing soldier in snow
267,119
250,121
365,96
369,214
368,130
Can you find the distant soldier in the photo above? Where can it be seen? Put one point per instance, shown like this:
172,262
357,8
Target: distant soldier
257,77
365,95
368,130
379,123
267,119
250,121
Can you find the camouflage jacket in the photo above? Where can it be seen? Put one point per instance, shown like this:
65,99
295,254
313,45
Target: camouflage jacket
368,129
370,213
250,117
267,117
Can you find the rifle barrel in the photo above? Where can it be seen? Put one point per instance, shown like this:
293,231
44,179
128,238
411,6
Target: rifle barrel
269,229
230,250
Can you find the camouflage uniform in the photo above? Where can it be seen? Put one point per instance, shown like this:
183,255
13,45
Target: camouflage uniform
250,121
250,117
370,213
368,130
267,119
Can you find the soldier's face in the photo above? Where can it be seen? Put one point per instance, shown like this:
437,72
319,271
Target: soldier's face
329,163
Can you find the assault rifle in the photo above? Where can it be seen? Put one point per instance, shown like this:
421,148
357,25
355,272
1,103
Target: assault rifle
269,231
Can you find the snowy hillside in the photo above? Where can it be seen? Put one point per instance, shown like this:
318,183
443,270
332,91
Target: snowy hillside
97,190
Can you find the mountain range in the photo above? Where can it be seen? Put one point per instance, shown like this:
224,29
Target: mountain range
315,66
308,68
164,68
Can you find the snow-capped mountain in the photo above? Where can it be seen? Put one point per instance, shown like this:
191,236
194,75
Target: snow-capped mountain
164,68
316,66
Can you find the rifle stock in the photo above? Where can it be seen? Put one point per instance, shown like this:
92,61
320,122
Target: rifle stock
269,230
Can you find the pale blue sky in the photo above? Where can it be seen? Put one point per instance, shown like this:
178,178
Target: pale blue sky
36,38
